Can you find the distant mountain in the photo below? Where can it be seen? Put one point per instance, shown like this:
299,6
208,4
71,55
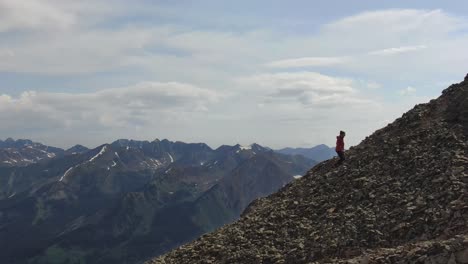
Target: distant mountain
121,202
24,152
77,149
318,153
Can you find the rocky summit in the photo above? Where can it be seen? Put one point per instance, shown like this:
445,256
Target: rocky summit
400,197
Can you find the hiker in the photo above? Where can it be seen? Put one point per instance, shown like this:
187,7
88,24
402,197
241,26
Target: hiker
340,146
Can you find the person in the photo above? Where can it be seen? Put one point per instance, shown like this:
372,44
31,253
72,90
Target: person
340,146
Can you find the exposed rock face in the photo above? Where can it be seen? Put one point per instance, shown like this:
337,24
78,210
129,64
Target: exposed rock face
401,197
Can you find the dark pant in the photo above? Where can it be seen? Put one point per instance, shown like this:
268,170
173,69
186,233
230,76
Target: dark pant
341,155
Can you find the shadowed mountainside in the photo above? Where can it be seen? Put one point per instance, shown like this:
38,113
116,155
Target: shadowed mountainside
127,200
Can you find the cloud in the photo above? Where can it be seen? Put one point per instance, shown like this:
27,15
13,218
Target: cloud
407,91
384,43
307,61
305,81
373,85
388,43
394,51
78,51
140,104
310,89
6,53
390,23
87,40
207,53
33,14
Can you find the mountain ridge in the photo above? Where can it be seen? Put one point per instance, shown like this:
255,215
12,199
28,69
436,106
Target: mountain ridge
318,153
125,200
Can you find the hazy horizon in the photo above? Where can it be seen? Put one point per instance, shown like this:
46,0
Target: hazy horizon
65,147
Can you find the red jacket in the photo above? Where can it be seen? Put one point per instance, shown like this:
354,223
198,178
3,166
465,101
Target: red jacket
339,143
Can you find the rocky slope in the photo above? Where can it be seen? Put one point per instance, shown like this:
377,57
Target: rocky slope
401,197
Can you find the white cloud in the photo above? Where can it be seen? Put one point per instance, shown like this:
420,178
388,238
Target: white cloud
407,91
305,81
421,35
211,54
307,61
6,53
141,104
389,24
385,43
310,89
373,85
393,51
78,51
81,37
33,14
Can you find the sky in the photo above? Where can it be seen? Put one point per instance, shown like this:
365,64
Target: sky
278,73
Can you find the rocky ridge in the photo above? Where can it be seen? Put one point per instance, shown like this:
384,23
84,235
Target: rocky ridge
23,152
401,197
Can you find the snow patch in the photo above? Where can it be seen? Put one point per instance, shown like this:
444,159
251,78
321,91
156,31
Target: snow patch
246,147
66,173
297,176
170,156
51,155
12,195
157,162
99,154
113,164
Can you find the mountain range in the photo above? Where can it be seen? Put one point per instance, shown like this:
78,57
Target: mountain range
318,153
125,201
400,197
